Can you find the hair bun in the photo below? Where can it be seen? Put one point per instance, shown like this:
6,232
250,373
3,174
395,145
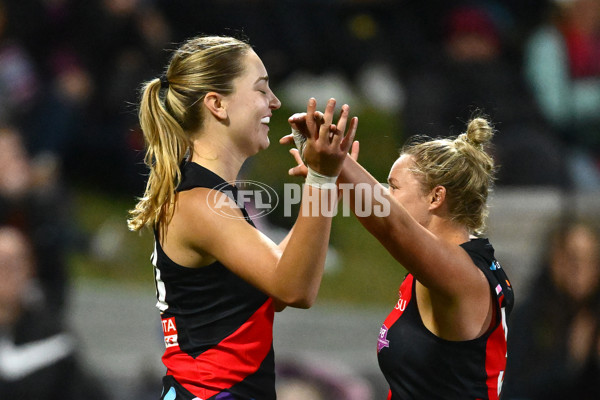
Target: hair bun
479,132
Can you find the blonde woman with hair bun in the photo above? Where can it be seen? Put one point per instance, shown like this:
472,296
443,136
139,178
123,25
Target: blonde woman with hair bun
218,278
446,336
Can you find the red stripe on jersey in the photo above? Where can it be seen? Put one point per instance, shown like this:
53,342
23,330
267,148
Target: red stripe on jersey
495,360
404,296
229,362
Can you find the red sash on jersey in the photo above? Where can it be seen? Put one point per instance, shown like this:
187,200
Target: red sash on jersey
404,296
229,362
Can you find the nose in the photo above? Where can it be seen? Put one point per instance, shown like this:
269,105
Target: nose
274,104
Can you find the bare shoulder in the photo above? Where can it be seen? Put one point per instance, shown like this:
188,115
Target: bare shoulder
199,211
201,218
207,204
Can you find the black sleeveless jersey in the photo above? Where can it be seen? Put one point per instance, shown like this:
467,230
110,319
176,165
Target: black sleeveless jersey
218,329
419,365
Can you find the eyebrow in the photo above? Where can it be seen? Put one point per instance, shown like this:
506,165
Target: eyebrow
263,78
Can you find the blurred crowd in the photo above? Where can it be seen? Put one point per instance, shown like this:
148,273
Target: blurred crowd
70,71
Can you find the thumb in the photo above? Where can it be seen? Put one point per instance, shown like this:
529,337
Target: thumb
287,139
355,150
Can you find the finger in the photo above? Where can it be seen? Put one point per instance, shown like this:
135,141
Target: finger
319,117
329,110
299,170
332,132
287,139
343,118
341,126
312,128
296,117
349,138
296,154
327,119
355,150
298,122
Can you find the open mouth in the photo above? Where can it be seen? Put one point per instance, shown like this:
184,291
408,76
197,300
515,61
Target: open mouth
265,120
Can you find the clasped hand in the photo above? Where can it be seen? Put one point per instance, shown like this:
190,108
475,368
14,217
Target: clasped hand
326,144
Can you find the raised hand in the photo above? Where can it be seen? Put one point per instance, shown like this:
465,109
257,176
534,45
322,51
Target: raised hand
300,169
325,144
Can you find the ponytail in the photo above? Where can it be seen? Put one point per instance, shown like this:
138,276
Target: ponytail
200,65
167,145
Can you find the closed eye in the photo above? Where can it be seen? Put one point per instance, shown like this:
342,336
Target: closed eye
262,81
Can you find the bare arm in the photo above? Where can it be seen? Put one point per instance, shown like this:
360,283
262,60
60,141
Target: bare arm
454,297
416,248
290,273
292,276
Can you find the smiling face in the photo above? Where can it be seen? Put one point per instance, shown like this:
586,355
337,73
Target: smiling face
250,106
408,190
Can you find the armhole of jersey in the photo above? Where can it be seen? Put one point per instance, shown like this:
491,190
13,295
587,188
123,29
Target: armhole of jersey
497,292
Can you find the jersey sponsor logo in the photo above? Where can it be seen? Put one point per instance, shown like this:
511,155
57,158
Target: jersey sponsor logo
382,340
170,332
401,304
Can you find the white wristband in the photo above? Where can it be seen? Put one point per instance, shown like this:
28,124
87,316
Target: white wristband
315,179
299,141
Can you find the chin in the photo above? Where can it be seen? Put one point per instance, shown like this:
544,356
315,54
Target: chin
258,148
265,144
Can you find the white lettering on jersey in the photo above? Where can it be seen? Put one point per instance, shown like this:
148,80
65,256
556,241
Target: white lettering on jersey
161,291
401,305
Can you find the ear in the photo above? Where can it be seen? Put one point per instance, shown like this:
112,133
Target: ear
213,102
437,197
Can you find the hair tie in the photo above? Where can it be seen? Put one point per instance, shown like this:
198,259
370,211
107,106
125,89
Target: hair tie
164,82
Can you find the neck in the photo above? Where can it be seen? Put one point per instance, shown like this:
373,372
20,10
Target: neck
448,230
216,154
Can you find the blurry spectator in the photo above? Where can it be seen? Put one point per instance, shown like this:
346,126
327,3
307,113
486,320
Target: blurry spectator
60,86
317,380
562,66
59,116
121,43
33,198
37,357
471,75
18,77
554,343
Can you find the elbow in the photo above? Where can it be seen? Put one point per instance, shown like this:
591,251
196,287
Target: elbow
300,300
303,304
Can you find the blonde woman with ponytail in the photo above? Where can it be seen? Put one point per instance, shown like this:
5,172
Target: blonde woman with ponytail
446,336
218,279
